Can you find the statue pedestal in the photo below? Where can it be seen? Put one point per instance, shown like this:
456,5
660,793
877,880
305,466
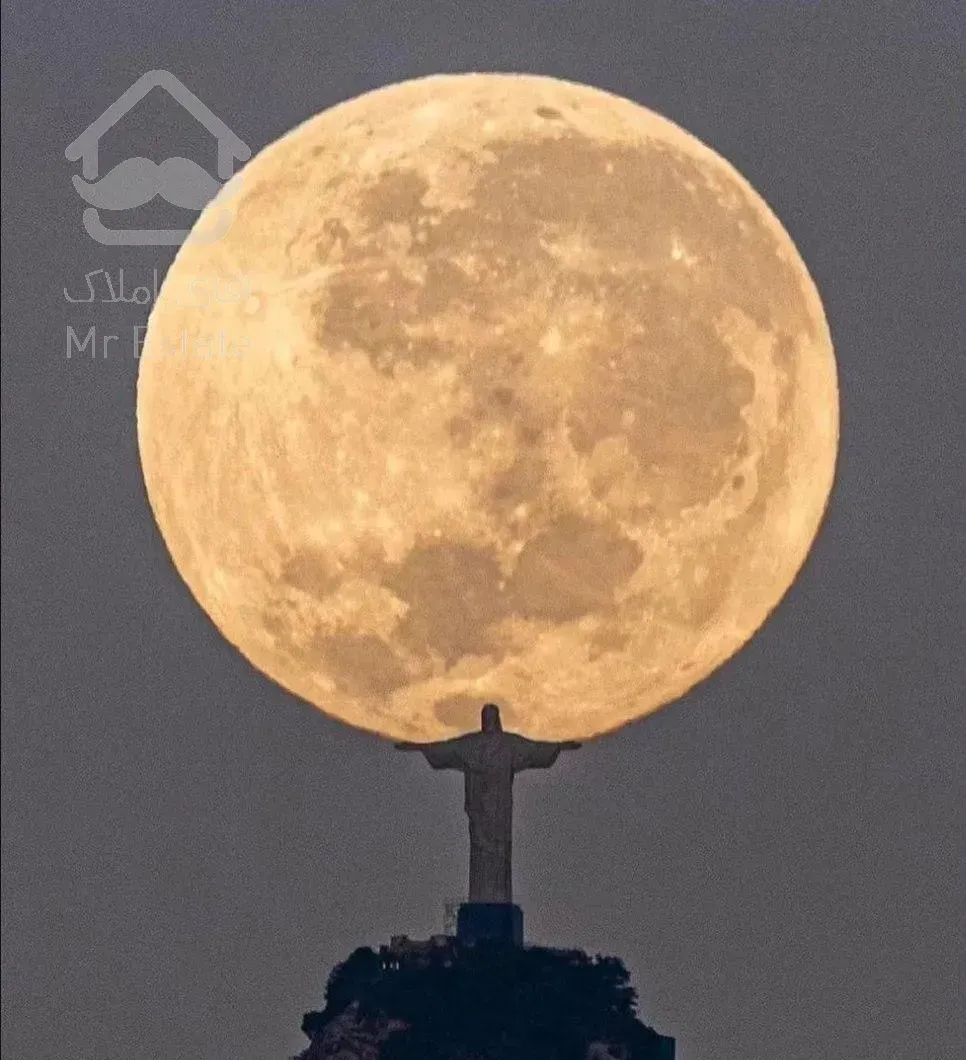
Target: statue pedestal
493,921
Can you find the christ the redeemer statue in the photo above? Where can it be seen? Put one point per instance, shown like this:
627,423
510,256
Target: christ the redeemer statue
489,759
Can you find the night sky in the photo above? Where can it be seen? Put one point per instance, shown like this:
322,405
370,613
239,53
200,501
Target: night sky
188,849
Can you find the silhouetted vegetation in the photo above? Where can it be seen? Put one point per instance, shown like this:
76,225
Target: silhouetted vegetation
491,1003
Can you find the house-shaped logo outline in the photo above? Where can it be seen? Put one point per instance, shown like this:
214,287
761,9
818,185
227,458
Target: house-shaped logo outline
85,147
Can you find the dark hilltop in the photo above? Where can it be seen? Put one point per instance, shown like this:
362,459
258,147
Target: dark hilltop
441,999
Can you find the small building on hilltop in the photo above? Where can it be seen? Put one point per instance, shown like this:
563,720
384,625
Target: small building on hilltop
402,950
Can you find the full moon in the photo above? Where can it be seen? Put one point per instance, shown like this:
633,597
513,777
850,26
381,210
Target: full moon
499,387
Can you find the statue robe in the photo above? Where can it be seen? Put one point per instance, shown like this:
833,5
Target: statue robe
489,761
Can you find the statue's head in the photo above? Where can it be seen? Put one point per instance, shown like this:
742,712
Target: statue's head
490,718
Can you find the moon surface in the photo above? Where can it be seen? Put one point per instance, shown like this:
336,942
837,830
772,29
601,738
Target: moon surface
499,387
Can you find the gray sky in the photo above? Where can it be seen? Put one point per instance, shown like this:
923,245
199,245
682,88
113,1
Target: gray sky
188,849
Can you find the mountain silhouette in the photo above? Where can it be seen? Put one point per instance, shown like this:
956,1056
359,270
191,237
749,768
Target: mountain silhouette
443,1000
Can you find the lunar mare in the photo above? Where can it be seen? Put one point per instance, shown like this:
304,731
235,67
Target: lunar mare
529,398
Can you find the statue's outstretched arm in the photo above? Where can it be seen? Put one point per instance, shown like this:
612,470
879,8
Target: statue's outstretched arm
539,754
446,754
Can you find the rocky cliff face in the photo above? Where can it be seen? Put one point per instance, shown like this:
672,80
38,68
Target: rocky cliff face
351,1037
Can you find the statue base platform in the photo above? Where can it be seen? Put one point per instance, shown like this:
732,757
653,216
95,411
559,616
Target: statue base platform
492,921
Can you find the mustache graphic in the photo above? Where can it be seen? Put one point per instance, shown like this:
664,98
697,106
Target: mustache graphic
136,181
